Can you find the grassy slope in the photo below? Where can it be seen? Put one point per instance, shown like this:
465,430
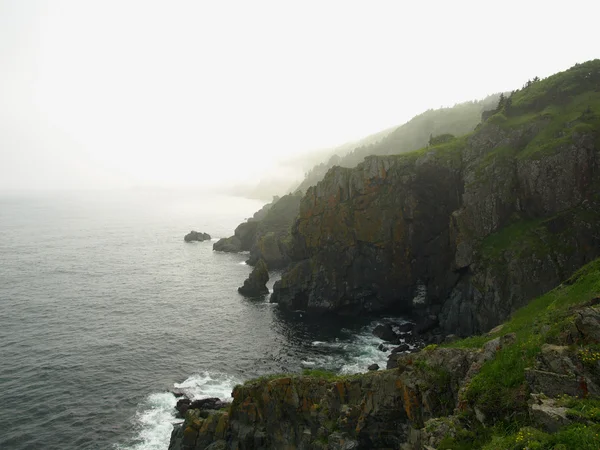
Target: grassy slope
500,391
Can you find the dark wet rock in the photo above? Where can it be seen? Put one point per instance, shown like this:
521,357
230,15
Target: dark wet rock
182,406
401,348
385,332
373,367
406,327
208,403
196,236
256,283
382,347
426,324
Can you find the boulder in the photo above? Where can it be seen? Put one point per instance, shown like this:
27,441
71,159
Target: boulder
385,332
256,283
228,245
382,347
406,327
182,406
401,348
207,403
196,236
373,367
587,322
554,384
546,414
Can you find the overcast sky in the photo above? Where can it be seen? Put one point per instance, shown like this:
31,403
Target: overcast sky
103,94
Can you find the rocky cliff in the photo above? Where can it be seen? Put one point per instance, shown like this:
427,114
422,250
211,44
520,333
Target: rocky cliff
468,230
532,383
266,235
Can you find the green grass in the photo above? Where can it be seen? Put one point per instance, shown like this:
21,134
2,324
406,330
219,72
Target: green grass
324,374
573,437
519,235
499,389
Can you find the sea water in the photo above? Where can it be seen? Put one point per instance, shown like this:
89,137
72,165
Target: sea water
104,309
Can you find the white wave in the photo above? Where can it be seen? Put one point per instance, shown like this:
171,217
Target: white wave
308,363
155,420
243,263
156,415
207,384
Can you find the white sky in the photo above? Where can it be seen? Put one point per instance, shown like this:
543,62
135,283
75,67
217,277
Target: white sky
103,94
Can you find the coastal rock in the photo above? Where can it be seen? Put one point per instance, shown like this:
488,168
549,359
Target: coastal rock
182,406
196,236
242,239
267,234
406,327
401,348
256,283
373,367
228,245
385,332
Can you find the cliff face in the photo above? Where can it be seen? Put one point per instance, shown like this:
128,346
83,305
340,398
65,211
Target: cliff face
468,230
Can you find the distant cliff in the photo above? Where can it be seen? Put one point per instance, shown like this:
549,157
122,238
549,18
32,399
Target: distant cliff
267,234
469,229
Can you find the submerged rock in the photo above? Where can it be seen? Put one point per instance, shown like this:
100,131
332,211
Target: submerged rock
196,236
256,283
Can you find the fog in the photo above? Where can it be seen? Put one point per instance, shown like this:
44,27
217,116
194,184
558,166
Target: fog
138,93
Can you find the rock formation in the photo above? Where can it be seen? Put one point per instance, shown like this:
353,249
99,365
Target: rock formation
196,236
266,235
256,283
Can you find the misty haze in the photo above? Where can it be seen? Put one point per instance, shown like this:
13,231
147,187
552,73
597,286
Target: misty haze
299,225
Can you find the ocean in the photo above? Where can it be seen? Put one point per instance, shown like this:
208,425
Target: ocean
104,309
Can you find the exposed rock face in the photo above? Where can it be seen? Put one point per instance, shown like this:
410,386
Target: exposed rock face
256,283
196,236
467,231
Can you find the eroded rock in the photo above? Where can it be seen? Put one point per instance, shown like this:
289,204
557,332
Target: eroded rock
256,283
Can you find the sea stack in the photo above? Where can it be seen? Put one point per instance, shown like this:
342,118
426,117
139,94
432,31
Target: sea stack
256,283
196,236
